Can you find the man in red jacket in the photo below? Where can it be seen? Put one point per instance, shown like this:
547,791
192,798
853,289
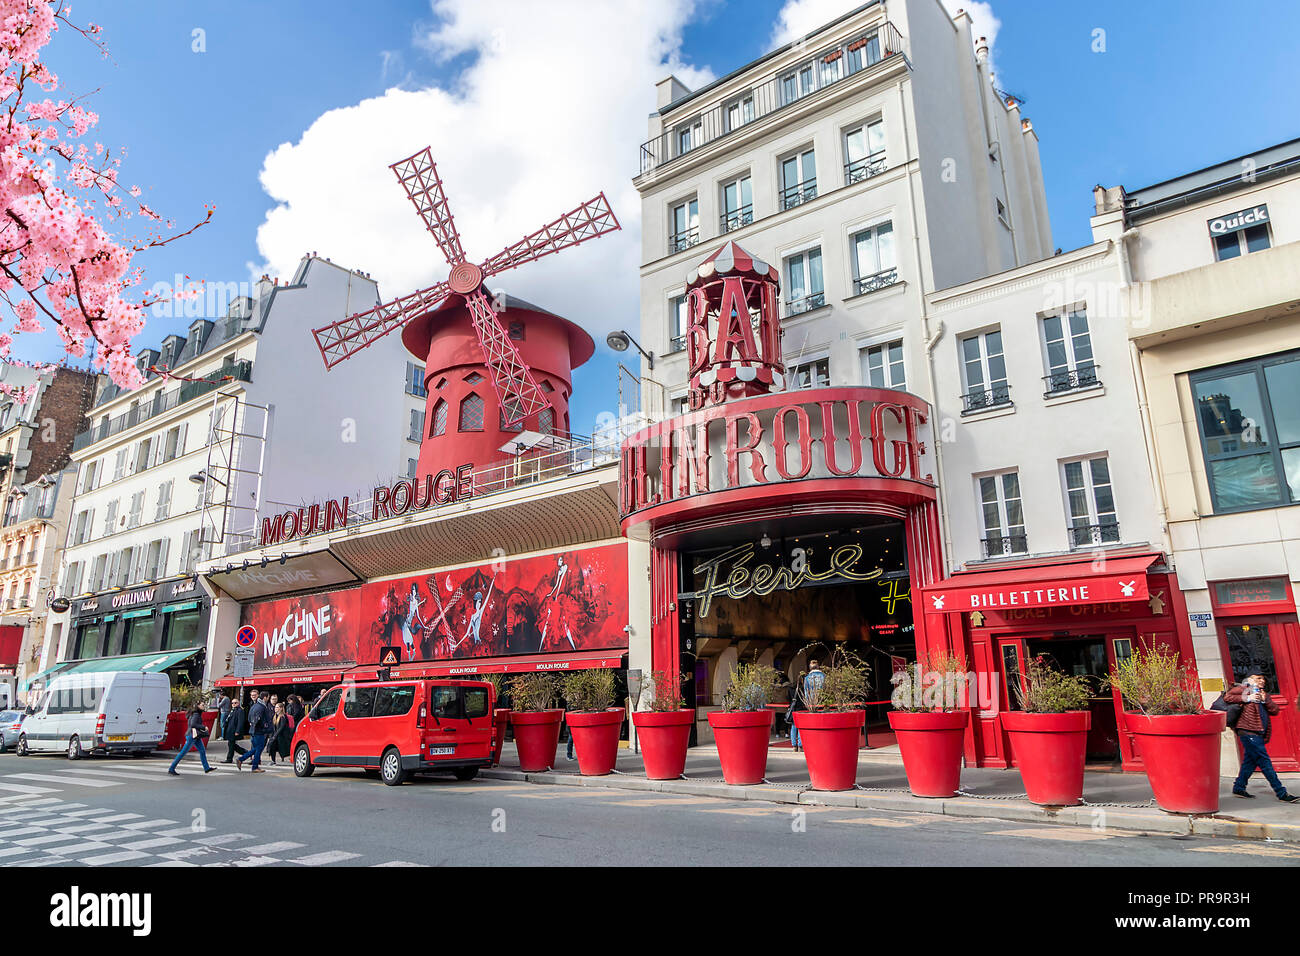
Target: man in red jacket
1254,728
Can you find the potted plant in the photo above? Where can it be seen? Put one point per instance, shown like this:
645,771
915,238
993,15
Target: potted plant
929,721
593,720
536,719
663,728
830,727
500,715
1177,738
1049,733
743,727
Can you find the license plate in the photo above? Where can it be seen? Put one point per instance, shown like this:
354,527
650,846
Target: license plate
441,751
119,737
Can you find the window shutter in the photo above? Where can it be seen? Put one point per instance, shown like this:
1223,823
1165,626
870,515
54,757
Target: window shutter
163,547
159,446
180,441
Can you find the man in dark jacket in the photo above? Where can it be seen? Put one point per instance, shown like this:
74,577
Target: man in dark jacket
259,728
1254,728
235,728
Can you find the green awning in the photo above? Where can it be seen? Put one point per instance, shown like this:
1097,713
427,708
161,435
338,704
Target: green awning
43,675
145,663
187,606
127,615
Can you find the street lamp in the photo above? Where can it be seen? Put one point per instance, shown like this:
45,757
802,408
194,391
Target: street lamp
202,476
620,340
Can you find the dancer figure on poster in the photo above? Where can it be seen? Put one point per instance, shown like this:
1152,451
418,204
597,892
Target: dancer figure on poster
476,619
554,599
411,623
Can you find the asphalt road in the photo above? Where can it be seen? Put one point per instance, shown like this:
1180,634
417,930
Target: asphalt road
128,812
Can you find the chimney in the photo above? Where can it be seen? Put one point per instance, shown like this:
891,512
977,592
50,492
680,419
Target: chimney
669,90
982,49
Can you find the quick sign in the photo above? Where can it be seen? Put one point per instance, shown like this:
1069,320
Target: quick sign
1241,219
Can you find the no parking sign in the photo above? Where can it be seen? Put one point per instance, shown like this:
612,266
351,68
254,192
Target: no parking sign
246,636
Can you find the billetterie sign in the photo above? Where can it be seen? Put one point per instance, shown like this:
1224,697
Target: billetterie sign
386,501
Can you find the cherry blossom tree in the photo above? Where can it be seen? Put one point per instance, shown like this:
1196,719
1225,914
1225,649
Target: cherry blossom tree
59,263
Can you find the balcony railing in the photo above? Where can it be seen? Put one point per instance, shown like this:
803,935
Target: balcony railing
983,398
875,281
864,168
1086,535
736,218
808,78
683,240
799,194
999,544
163,402
1067,380
806,304
677,343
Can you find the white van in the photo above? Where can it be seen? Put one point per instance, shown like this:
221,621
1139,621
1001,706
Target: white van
115,711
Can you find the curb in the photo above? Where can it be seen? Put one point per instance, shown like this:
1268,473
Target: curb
1129,820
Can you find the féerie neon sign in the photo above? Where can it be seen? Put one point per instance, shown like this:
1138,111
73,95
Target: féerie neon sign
742,580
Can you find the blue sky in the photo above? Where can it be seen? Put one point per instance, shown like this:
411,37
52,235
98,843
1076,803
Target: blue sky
1178,87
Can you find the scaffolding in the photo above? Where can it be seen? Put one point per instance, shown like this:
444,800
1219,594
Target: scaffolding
232,474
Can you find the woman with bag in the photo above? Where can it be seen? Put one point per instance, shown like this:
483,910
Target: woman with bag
796,704
281,735
194,735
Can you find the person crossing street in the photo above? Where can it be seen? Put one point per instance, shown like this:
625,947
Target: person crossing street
194,735
260,724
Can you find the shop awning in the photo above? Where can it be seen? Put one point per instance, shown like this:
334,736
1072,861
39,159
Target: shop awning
303,675
145,663
471,667
45,674
1084,581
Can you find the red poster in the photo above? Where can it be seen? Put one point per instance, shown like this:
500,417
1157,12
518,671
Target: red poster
308,631
556,603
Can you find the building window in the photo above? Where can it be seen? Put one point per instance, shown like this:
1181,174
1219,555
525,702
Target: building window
98,573
137,510
438,420
471,413
516,331
984,372
417,424
1067,347
737,205
1230,245
1091,502
832,67
690,135
181,629
415,380
816,374
137,633
164,509
155,562
798,179
677,323
1248,415
685,225
864,152
411,465
119,463
174,443
516,426
87,641
803,274
72,580
546,421
89,475
740,112
863,52
874,263
142,454
110,515
1003,517
882,365
798,83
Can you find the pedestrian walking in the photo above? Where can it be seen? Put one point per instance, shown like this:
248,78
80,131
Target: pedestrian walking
1254,728
295,709
194,735
236,727
223,712
281,735
796,704
260,724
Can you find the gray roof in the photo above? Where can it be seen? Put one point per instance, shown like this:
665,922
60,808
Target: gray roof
1220,179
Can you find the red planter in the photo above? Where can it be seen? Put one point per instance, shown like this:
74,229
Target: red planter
1049,750
830,745
177,726
500,721
742,739
931,744
664,736
1180,754
537,735
595,739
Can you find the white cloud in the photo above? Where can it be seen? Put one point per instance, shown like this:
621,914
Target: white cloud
549,111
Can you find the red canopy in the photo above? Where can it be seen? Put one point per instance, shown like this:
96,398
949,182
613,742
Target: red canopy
1085,580
470,666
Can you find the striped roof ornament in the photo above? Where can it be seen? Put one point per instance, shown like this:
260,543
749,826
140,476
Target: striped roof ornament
731,259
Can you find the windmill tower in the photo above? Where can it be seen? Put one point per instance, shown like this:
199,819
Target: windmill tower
491,369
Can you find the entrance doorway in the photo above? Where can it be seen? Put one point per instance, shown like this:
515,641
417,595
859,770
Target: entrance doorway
1268,645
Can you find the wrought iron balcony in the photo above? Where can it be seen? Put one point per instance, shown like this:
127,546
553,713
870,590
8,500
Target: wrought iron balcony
1070,379
998,544
736,218
683,240
983,398
875,281
799,194
806,304
827,68
677,343
1087,535
864,168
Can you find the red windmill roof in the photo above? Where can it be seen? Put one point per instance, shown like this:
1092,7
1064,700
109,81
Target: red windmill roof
731,259
418,332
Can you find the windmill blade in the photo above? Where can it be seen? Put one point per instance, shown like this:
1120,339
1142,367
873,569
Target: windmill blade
593,218
346,337
418,175
517,391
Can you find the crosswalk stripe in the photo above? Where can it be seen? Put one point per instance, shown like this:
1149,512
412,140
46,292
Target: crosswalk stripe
84,827
184,831
148,824
267,849
255,861
48,838
398,863
23,788
63,778
96,772
15,851
149,844
222,839
120,816
329,856
172,863
87,813
109,858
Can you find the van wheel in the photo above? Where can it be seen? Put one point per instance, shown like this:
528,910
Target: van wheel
466,773
390,768
302,765
74,749
21,749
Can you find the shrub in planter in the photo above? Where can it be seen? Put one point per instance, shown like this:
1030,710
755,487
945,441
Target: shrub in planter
1176,737
183,697
592,719
743,727
536,719
1049,734
500,715
830,727
929,721
663,727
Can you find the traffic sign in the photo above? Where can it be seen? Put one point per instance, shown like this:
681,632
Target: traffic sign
246,636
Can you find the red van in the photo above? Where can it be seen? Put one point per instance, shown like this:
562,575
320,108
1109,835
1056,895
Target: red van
399,727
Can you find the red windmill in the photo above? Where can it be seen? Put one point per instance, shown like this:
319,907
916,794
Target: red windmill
517,391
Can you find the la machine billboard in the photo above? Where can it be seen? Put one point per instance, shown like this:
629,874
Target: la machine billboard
556,603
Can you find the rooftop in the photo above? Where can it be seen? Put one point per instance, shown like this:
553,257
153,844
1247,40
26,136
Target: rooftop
1223,178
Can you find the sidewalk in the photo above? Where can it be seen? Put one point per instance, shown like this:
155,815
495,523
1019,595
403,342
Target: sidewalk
1115,800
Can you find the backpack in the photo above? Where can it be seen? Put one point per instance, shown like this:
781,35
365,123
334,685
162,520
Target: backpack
1232,710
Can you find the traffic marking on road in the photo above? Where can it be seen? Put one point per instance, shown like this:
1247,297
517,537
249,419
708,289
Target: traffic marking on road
110,858
223,838
117,817
148,824
150,844
323,859
47,838
267,849
63,778
24,788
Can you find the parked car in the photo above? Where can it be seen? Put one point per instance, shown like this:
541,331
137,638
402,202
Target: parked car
110,712
399,728
11,725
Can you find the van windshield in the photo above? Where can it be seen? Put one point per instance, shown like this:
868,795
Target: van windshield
459,703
